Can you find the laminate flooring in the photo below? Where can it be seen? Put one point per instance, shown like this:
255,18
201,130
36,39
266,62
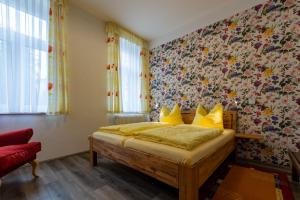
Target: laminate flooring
71,178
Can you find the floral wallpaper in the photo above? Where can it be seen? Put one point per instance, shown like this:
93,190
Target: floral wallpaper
249,62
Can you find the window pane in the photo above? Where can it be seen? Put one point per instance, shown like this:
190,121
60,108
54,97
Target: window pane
130,76
23,56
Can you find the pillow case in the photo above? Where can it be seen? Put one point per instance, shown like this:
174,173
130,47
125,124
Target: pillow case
214,119
173,117
200,112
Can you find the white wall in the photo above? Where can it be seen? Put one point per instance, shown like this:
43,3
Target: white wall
219,12
87,56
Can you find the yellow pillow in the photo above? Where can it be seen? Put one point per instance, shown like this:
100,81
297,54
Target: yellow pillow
214,119
200,112
173,117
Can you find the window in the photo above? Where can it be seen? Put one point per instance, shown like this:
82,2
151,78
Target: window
127,71
130,80
24,56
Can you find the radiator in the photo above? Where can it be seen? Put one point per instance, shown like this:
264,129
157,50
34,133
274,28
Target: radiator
122,118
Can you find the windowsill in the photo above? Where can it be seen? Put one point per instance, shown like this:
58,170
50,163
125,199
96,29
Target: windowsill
1,114
127,114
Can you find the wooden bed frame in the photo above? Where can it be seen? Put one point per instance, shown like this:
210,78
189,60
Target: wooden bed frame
188,179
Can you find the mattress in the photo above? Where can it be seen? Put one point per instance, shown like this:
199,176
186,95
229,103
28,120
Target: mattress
180,155
110,138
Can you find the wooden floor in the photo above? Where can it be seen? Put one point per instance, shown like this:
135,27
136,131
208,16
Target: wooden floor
71,178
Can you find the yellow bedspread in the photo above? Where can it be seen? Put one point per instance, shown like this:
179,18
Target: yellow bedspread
181,136
133,128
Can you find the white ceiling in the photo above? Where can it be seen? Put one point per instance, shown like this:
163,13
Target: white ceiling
159,21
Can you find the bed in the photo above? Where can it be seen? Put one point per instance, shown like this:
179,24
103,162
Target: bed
185,170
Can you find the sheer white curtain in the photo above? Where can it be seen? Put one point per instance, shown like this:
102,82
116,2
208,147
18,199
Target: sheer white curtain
130,80
23,56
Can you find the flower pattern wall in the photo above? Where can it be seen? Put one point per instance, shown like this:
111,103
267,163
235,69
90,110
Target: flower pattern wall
249,62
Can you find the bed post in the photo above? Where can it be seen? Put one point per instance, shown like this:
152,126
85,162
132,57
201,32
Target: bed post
188,184
93,154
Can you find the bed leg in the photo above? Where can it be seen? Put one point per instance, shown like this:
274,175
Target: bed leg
93,154
188,189
232,156
93,159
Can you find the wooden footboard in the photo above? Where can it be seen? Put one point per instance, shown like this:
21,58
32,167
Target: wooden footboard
191,178
206,166
187,179
163,170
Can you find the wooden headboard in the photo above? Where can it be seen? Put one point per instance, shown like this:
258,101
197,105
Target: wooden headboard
229,118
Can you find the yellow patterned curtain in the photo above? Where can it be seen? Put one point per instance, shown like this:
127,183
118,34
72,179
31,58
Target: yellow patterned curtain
114,33
113,61
57,68
145,79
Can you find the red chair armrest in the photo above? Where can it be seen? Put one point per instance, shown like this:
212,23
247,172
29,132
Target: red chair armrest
16,137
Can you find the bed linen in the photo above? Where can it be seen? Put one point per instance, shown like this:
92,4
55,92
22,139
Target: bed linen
110,138
182,136
178,155
131,129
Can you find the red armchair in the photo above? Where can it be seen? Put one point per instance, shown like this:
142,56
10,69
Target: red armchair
15,151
